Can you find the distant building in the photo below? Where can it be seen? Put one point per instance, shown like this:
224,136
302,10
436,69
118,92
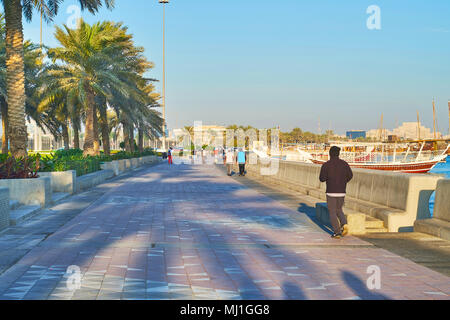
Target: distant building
393,138
356,134
406,131
39,140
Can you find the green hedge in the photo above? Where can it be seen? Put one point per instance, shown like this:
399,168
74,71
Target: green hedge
64,160
73,159
58,161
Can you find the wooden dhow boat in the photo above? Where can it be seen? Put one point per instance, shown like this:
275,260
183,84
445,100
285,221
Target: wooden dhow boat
385,157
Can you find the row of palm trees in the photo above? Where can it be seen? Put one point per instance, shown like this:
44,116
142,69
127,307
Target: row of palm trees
96,77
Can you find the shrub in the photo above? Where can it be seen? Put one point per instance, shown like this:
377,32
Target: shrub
21,168
61,160
73,159
71,153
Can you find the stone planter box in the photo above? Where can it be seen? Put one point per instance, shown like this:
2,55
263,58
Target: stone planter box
91,180
134,163
150,159
29,191
114,166
62,181
127,164
4,208
122,166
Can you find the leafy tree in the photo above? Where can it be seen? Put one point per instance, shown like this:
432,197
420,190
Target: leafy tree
33,64
15,65
91,70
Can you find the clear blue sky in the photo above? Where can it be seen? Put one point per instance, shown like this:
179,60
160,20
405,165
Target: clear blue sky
291,62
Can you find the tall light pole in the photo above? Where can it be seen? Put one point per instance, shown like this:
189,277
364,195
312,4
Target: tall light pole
164,72
42,18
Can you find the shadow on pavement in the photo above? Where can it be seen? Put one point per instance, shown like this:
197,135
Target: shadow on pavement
98,238
360,288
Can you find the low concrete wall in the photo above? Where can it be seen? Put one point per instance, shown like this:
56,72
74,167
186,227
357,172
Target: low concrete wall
29,191
62,181
113,166
356,221
134,163
4,208
398,199
127,164
91,180
120,166
439,225
111,169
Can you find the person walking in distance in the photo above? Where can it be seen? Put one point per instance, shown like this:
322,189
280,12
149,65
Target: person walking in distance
336,173
169,155
241,160
229,160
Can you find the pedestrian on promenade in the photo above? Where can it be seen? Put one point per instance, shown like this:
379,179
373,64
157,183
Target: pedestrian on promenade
169,155
336,173
229,160
224,155
241,159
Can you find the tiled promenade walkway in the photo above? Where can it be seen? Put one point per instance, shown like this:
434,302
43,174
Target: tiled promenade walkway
189,232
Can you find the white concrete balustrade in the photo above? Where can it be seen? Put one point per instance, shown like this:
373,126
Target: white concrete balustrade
398,199
439,225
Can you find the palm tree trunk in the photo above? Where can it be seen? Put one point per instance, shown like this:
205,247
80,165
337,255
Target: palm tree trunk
96,132
76,135
132,143
126,136
105,130
65,134
91,143
4,112
15,79
141,140
115,134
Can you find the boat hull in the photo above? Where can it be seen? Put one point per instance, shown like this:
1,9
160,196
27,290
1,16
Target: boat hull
418,167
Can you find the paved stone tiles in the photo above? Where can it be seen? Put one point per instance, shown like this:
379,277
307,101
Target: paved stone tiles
189,232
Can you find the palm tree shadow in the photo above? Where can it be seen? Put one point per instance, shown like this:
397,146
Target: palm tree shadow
293,292
360,288
311,213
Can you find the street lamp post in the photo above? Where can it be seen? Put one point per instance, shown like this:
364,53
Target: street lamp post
164,72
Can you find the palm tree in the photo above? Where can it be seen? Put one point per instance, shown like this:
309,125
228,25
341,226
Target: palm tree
100,67
90,58
103,121
14,9
33,64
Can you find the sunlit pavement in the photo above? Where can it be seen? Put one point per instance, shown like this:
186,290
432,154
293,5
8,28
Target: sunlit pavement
191,232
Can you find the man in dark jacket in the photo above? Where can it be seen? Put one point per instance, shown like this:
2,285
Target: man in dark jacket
336,173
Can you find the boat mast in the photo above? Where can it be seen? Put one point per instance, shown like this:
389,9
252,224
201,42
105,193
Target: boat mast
420,152
449,118
418,125
380,132
434,120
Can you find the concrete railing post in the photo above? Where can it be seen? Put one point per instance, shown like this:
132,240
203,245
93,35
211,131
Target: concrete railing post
4,208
